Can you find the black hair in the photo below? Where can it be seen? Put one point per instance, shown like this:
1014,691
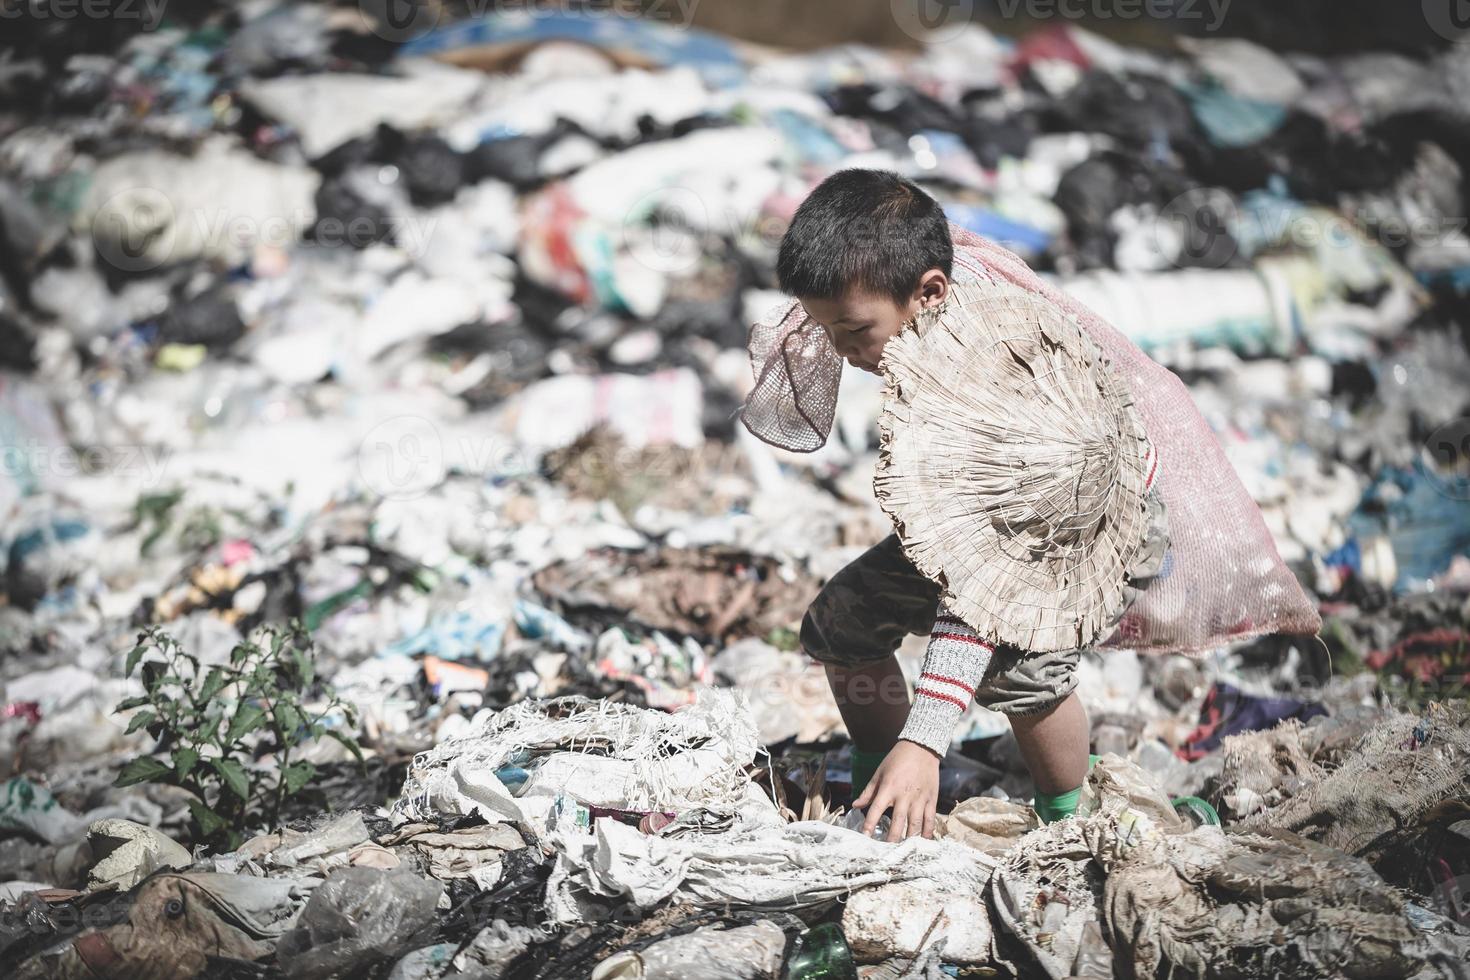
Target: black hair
870,229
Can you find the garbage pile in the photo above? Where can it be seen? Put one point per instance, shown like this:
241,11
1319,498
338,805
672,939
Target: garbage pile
429,338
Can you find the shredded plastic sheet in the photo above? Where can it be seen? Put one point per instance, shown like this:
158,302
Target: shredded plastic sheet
1047,888
769,868
356,918
1265,768
596,753
1223,580
1381,790
1202,903
1270,904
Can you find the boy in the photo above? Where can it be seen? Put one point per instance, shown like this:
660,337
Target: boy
866,252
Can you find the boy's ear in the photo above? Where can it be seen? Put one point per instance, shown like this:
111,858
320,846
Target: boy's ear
933,288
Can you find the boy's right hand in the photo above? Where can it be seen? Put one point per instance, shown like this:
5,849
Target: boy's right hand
908,781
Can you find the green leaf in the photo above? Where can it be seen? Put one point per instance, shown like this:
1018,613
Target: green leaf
214,682
134,656
289,718
144,769
234,775
128,704
184,761
167,708
306,663
138,720
297,775
347,742
152,674
210,823
247,717
210,727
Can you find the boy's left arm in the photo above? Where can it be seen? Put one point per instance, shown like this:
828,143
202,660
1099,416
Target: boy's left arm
908,779
954,664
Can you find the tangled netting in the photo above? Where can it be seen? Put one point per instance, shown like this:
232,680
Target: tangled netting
593,751
1223,579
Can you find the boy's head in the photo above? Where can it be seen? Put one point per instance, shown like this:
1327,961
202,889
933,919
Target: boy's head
864,253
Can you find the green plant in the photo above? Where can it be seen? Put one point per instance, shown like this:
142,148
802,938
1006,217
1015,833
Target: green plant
213,721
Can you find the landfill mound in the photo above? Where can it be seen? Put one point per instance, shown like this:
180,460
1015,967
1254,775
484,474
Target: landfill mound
391,591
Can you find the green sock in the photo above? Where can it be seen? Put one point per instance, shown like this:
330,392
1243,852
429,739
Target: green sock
1054,806
864,764
1051,807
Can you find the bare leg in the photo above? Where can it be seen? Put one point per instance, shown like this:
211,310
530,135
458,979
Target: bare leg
874,701
1054,745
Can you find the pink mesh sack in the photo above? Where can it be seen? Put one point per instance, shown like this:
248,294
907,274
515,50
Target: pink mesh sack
1223,580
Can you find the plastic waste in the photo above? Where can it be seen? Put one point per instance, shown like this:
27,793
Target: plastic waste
670,43
356,918
326,110
1426,527
820,953
125,853
1152,309
1196,810
151,208
495,946
659,409
428,963
857,818
744,953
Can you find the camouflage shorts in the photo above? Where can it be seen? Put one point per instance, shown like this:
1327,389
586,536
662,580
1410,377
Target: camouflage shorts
864,611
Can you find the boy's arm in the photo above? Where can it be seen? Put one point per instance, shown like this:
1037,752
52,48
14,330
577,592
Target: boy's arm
954,665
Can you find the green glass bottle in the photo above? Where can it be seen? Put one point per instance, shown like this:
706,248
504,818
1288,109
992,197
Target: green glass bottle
821,953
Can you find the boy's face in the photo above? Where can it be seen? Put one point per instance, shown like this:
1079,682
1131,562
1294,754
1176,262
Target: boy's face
861,323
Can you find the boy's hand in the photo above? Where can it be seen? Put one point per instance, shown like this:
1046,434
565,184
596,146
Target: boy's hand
908,781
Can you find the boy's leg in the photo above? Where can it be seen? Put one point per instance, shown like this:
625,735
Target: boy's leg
1037,692
1054,744
853,628
874,701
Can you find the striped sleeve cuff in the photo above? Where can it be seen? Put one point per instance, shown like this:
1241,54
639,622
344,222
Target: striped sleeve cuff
954,664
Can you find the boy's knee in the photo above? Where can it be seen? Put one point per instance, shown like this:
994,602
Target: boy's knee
812,636
1026,685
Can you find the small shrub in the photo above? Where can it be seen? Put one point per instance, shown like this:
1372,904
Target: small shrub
206,720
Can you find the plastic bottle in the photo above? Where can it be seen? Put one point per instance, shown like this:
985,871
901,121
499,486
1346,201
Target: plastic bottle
821,953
